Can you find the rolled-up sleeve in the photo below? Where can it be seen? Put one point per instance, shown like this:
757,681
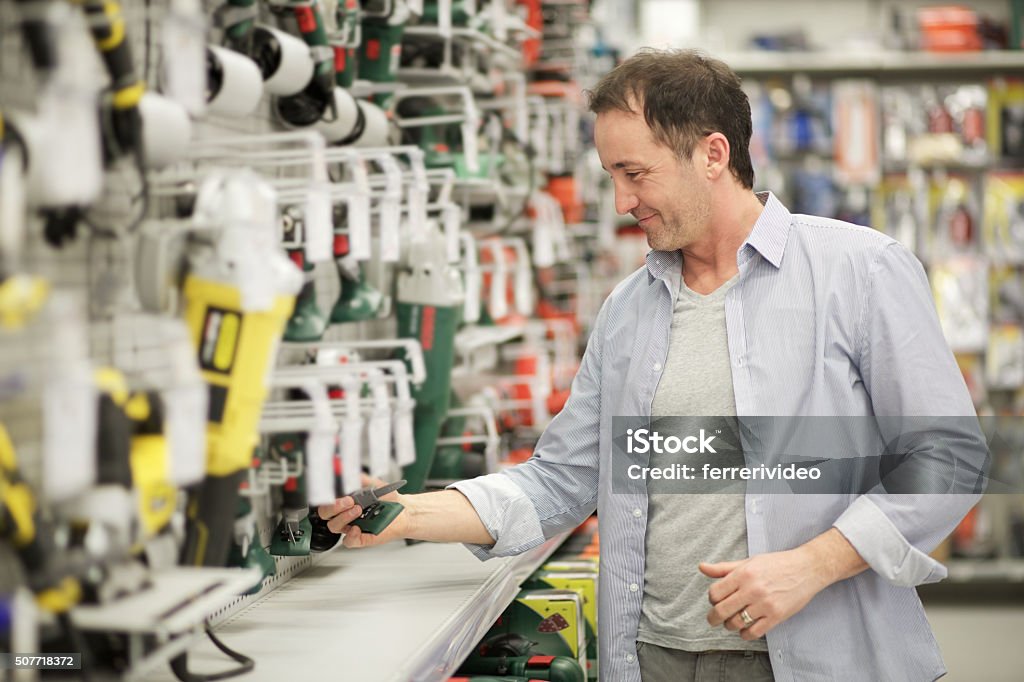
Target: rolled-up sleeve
506,512
884,546
556,489
913,379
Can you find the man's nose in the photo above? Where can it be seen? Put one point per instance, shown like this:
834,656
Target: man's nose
625,201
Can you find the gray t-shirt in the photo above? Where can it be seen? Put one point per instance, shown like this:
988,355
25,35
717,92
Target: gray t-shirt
685,529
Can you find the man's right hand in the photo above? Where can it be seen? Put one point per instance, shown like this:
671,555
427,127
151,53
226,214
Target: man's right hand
344,511
439,516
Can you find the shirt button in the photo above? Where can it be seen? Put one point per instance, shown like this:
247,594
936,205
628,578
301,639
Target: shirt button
739,360
637,513
630,657
755,508
633,587
657,367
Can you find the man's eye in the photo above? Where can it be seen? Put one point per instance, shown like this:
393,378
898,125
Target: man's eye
632,175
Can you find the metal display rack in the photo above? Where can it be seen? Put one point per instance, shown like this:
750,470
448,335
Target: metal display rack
393,613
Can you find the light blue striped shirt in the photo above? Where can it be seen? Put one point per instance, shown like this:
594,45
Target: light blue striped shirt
827,318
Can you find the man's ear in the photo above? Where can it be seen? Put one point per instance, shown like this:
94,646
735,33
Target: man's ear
716,147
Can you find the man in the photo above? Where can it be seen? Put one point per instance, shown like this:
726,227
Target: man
741,309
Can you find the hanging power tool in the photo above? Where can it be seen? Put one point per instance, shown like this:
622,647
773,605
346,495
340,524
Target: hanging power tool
62,142
238,298
21,523
124,133
307,323
238,18
325,104
429,308
284,61
130,508
21,295
247,551
292,535
345,40
357,299
317,99
456,461
132,451
383,25
537,667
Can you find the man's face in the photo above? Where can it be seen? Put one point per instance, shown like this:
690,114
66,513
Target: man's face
669,198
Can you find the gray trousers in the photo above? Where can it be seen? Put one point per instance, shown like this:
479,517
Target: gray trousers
658,664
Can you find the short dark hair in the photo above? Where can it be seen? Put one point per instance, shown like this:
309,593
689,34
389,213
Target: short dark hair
685,95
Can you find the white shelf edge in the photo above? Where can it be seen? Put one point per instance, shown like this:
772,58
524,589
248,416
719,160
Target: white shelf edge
455,639
753,62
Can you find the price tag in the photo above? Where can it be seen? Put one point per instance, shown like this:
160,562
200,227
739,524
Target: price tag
70,414
67,161
498,301
320,448
444,18
390,230
543,244
185,424
351,441
470,146
391,210
417,214
471,308
318,223
405,444
451,219
380,426
522,285
12,202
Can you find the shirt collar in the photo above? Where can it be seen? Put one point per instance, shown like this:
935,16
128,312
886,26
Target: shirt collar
771,231
768,238
661,262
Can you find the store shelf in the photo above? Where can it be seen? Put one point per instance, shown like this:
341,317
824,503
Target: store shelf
976,582
874,63
986,570
389,614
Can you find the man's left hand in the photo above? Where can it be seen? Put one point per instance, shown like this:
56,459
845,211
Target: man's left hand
774,586
771,587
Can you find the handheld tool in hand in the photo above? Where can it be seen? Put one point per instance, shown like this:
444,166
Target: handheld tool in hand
377,513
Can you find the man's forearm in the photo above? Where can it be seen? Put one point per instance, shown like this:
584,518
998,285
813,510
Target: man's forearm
443,516
834,556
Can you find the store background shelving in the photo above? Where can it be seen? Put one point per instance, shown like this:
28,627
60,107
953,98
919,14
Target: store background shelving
413,612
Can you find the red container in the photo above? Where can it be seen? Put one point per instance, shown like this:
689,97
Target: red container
949,28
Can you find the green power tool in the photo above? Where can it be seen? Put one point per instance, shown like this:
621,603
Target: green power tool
358,300
429,308
238,17
377,513
310,105
247,551
537,667
381,48
307,322
292,535
345,40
